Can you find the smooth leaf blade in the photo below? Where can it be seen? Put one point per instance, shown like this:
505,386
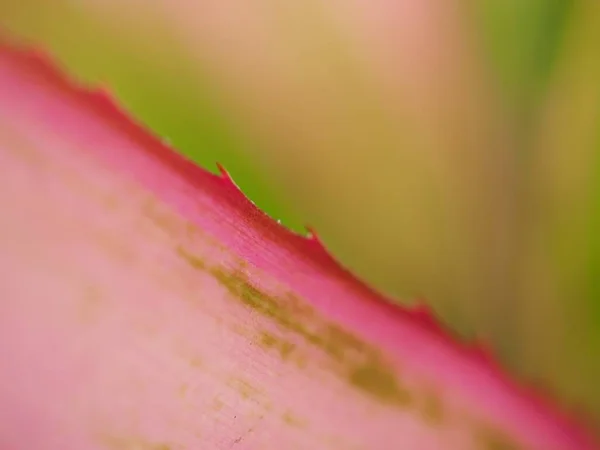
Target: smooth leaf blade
147,304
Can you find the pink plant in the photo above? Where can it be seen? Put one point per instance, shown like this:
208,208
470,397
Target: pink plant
147,304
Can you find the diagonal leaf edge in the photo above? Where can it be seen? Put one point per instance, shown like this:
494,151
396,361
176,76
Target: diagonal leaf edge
306,252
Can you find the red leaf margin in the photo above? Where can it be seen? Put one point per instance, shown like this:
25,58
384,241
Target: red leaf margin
306,253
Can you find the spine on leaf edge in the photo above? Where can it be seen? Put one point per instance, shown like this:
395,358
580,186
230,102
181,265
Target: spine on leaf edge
310,245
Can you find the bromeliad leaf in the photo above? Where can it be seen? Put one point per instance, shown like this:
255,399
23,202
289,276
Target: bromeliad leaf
147,304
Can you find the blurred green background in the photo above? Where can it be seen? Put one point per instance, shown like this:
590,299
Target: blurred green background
443,149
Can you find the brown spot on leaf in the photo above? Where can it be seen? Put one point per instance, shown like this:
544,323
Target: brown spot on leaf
112,243
217,404
494,439
377,380
290,419
196,362
356,361
192,260
91,304
285,348
183,390
162,218
246,389
432,406
133,443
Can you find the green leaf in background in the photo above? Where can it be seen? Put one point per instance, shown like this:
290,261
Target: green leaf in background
523,39
560,268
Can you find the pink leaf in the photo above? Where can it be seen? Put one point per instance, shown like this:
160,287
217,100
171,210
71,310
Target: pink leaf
146,304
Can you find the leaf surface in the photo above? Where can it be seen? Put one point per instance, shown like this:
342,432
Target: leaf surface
147,304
